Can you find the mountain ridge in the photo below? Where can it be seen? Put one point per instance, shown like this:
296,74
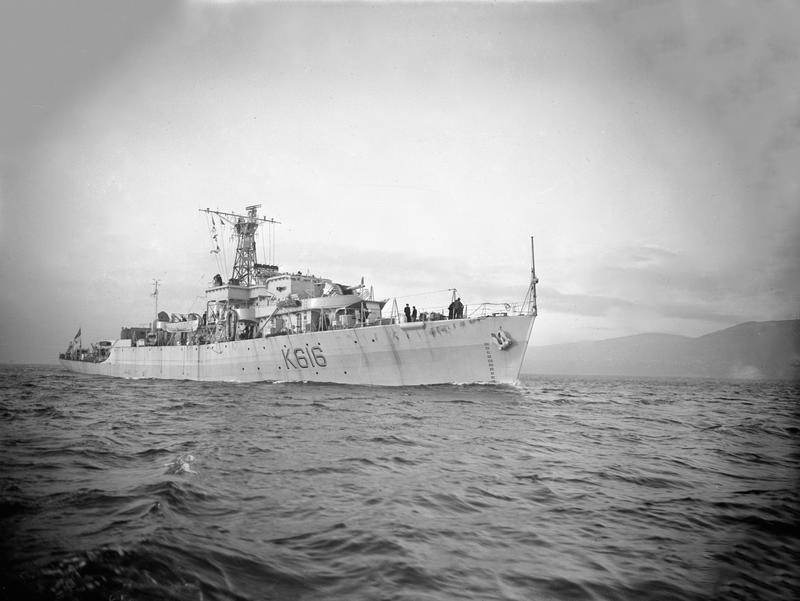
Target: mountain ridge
749,350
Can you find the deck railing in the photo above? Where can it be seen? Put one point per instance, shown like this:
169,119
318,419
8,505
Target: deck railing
213,332
492,309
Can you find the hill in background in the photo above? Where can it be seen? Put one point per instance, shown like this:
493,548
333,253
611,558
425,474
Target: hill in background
752,350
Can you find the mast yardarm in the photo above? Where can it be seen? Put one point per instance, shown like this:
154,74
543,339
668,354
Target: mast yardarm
245,226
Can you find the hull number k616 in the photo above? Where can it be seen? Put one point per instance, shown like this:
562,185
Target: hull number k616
301,358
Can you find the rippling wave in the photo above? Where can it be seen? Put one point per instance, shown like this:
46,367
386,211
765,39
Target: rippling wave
560,488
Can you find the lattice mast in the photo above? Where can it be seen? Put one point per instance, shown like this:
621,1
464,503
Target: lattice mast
245,227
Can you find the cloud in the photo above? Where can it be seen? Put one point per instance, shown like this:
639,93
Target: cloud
650,147
667,284
54,53
600,306
741,67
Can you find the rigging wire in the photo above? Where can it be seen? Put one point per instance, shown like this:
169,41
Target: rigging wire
211,233
272,243
264,249
219,240
224,254
212,226
429,292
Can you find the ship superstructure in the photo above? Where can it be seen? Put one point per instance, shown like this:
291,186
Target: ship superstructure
267,324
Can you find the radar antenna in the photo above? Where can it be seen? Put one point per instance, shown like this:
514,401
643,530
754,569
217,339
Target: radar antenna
245,227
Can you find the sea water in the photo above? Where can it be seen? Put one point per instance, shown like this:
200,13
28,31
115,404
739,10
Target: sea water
559,488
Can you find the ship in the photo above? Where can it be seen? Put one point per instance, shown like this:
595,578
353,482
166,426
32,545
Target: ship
268,325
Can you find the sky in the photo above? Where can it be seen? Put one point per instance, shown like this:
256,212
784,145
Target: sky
651,149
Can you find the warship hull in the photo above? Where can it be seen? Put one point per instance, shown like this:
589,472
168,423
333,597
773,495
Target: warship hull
488,349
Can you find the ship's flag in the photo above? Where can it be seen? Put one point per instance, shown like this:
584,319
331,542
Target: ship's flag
78,335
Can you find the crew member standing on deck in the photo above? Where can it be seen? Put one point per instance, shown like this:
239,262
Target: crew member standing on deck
458,309
407,311
414,313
